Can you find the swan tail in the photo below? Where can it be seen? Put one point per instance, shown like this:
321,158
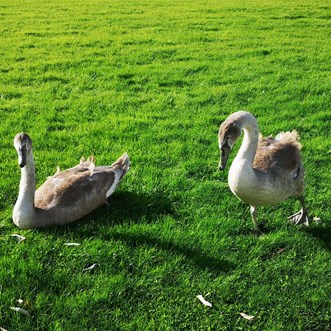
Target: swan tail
289,137
122,165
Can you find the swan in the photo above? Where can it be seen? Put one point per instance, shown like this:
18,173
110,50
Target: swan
265,171
67,195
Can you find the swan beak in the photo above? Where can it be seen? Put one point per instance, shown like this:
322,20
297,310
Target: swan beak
225,151
22,156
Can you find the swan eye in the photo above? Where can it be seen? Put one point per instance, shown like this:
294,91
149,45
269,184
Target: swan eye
226,144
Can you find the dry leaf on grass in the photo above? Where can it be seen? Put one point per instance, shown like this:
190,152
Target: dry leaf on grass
247,317
18,236
281,250
20,310
204,301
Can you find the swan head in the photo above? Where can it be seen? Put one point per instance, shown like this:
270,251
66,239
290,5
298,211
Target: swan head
229,132
23,145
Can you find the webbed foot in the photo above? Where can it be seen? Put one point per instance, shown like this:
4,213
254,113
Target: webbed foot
300,217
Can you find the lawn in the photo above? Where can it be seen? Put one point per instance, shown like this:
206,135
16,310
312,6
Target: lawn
156,79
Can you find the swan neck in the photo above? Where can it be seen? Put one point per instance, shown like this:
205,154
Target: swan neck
24,207
249,144
28,182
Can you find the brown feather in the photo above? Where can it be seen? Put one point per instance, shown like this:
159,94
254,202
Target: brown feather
282,152
68,188
71,194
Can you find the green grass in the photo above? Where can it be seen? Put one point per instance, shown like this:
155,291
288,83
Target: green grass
156,79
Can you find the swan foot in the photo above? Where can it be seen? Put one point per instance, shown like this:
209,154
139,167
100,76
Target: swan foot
300,217
257,230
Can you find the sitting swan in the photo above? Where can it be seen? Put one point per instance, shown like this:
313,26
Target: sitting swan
67,195
265,171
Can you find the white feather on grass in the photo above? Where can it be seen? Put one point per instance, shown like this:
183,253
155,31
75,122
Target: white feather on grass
247,317
204,301
18,236
20,310
93,266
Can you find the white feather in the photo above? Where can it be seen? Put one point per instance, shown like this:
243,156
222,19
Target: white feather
117,178
20,310
204,301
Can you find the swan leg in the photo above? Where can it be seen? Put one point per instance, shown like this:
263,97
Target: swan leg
257,230
301,217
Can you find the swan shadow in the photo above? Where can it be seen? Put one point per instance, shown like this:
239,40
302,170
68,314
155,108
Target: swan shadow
130,207
121,207
200,259
322,233
134,206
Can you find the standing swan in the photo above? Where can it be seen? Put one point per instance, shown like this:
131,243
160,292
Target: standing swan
265,171
67,195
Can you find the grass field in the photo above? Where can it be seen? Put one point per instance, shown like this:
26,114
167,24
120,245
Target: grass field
156,79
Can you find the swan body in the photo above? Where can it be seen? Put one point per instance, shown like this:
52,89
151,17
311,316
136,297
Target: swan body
265,171
67,195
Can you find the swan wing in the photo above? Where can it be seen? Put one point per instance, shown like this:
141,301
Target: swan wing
282,152
78,187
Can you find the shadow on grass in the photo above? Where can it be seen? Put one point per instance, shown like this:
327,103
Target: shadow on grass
322,233
121,207
130,208
200,259
246,228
